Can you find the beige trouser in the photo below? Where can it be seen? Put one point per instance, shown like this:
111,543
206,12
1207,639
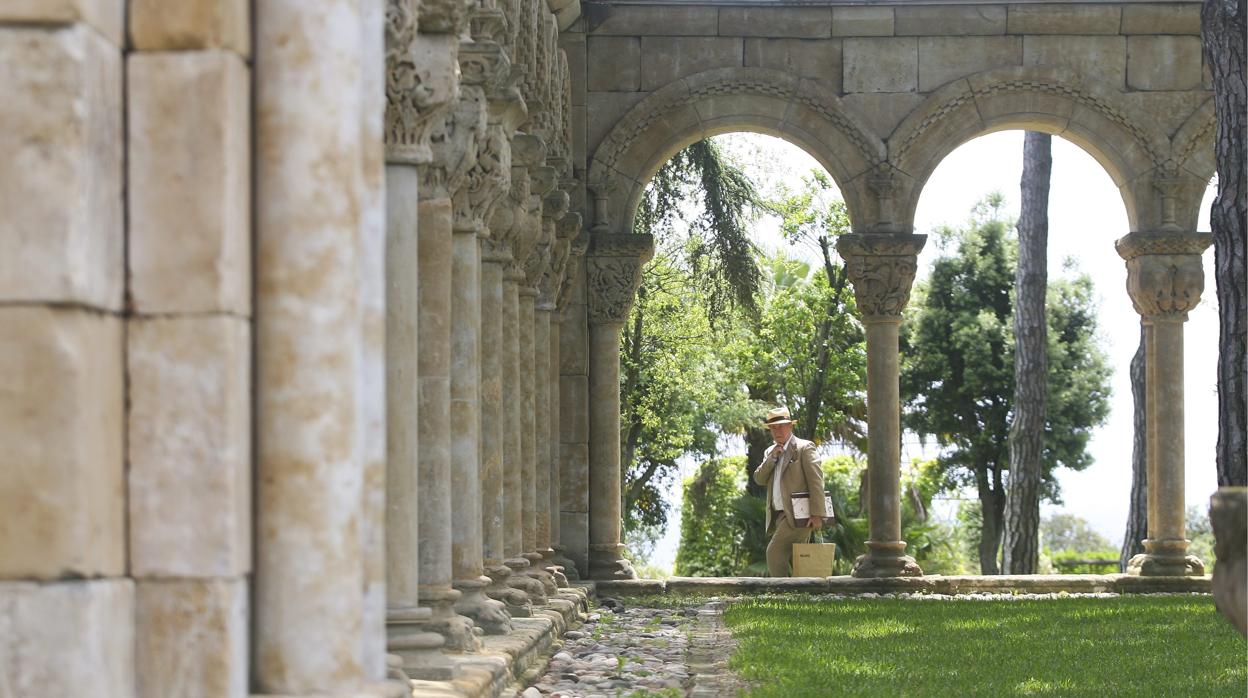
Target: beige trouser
780,549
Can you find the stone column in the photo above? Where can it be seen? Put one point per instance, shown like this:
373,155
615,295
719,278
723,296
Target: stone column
408,130
613,271
524,357
309,572
69,610
574,420
453,154
1165,279
882,268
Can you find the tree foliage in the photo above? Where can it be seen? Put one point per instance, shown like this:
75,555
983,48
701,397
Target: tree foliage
957,377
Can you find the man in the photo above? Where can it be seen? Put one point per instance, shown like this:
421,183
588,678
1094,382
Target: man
788,466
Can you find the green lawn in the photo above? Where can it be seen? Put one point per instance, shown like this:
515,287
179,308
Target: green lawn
1129,645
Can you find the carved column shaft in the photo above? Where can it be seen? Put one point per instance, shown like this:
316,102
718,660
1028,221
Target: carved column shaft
541,410
882,269
613,271
1165,279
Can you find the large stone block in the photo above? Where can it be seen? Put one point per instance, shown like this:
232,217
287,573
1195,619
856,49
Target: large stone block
61,231
666,20
67,638
1104,57
943,59
665,59
575,45
190,182
614,63
61,422
604,111
937,20
882,110
157,25
816,59
574,342
190,446
1161,19
1051,18
574,409
191,638
105,16
794,22
1163,62
862,21
881,65
574,477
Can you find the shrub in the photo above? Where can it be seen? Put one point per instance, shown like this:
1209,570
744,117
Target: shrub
710,539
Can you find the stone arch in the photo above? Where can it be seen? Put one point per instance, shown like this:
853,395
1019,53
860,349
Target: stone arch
1053,100
719,101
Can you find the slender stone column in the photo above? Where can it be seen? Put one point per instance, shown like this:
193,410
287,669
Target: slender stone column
408,130
525,362
556,458
1165,279
882,269
613,271
541,424
309,571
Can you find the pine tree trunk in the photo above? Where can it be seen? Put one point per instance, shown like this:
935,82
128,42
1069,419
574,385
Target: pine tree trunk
1031,360
992,506
1223,25
757,440
1137,517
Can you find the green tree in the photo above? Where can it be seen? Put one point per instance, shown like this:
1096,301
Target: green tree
710,540
957,377
1067,532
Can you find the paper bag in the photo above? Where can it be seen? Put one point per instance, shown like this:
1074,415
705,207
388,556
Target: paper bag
813,559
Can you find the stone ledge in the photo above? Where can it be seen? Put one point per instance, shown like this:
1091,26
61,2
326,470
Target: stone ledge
935,584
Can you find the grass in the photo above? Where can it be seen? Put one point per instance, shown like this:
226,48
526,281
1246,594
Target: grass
1129,645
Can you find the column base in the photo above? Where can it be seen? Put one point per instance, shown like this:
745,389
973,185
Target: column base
569,566
516,601
886,559
521,580
488,614
548,563
418,651
541,574
606,561
1166,557
459,632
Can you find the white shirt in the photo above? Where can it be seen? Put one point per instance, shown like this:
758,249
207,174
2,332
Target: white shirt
777,502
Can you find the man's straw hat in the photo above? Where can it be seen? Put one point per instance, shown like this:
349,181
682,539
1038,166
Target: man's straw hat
780,415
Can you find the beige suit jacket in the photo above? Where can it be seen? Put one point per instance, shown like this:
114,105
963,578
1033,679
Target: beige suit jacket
799,472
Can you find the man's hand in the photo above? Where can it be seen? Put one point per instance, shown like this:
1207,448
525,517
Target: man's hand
814,522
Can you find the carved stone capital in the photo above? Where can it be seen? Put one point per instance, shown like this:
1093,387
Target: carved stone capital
1165,276
454,145
482,62
421,82
612,274
882,269
445,16
487,183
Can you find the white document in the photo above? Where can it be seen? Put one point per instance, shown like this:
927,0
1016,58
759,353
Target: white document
801,505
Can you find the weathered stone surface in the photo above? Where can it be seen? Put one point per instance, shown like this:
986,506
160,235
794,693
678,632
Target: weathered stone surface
882,110
573,409
65,638
935,20
881,65
780,22
1104,57
1161,19
574,476
190,182
191,638
1052,18
61,236
61,423
816,59
657,21
190,446
1228,512
105,16
664,59
576,46
574,530
862,21
156,25
943,59
614,63
604,111
1163,62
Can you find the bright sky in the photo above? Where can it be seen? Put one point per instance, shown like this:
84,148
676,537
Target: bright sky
1086,215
